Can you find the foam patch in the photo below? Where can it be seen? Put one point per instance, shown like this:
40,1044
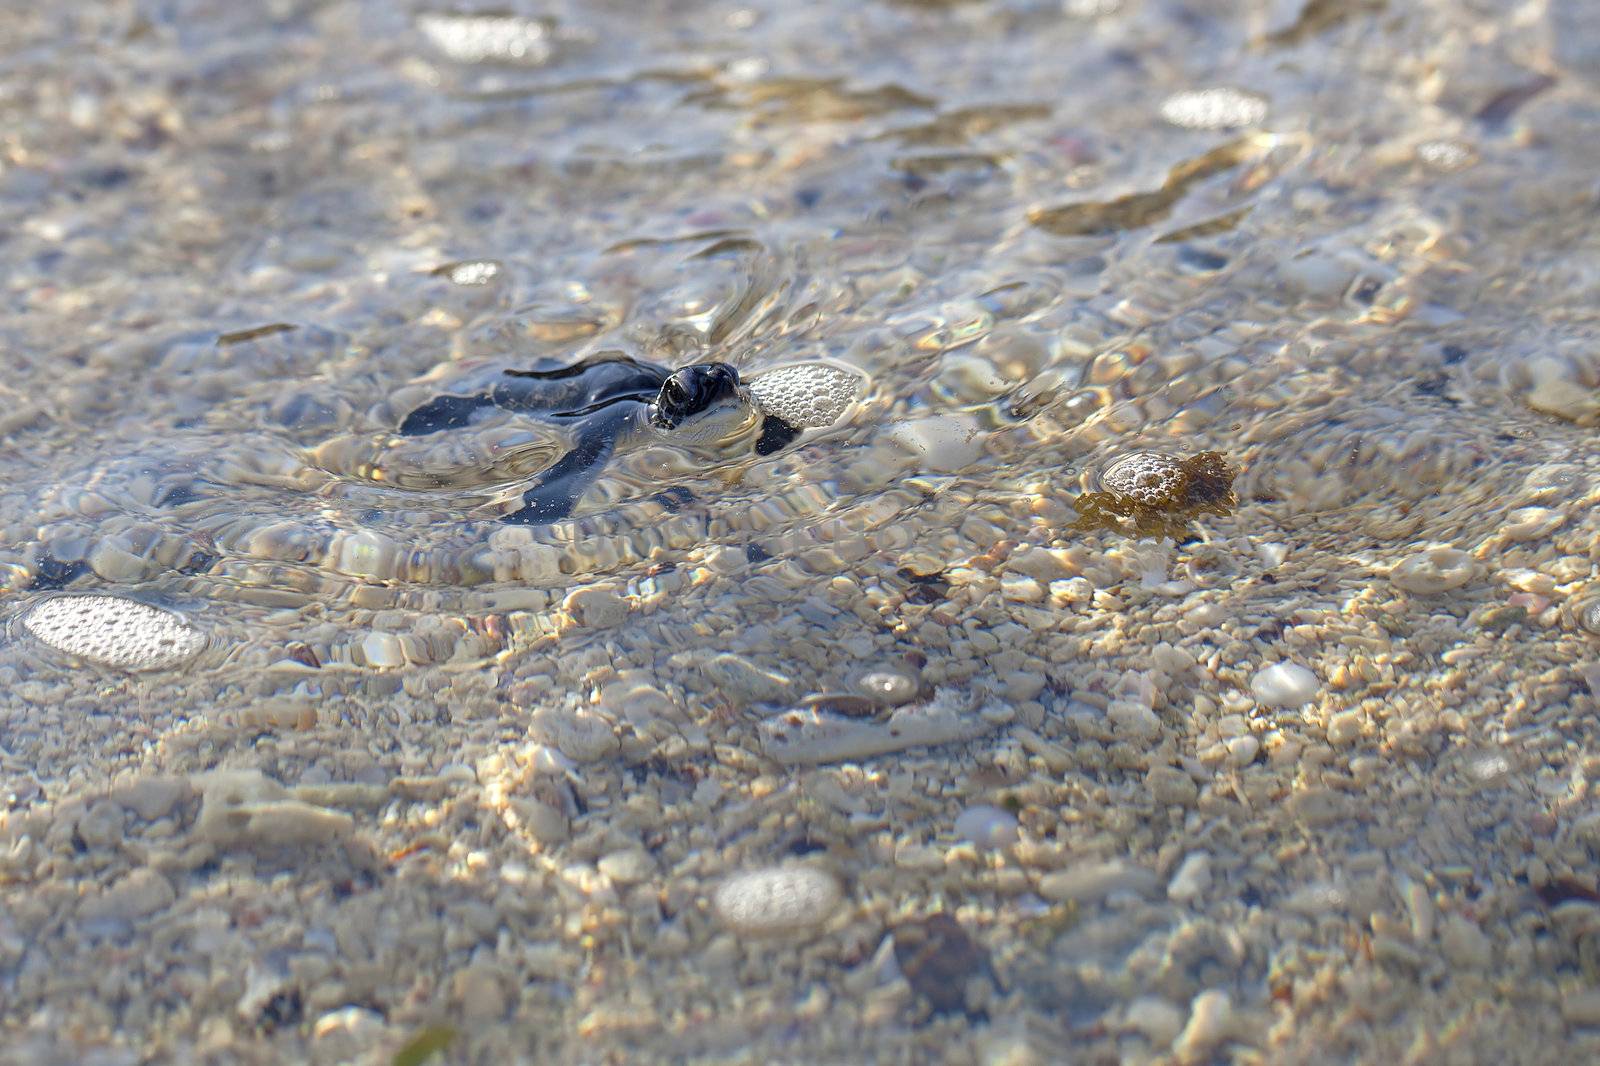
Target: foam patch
807,395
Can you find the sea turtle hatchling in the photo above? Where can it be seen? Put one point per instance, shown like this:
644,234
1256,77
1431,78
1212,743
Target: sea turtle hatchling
611,402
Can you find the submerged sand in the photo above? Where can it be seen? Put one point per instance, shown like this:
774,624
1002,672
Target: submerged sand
861,752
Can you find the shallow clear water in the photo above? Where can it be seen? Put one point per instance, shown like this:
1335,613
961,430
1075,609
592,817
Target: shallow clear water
1350,247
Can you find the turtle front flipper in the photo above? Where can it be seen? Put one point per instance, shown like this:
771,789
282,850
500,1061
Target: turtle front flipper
443,412
557,491
776,434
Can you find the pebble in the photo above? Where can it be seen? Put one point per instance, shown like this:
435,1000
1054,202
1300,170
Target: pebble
1210,1023
1133,720
1192,878
1345,728
1242,751
345,1035
777,899
1531,523
135,895
245,808
627,867
742,682
576,732
1581,1007
111,562
382,650
1021,589
1155,1019
114,631
596,607
1285,685
1091,882
152,797
987,827
809,737
1171,787
726,560
1041,564
480,992
942,443
1434,571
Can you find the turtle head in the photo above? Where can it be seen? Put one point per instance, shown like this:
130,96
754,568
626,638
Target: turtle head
694,392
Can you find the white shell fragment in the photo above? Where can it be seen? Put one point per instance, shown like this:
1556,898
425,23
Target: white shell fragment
1436,570
806,737
806,395
1285,685
777,899
113,631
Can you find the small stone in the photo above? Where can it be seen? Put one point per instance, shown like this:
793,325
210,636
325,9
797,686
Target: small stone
1210,1023
345,1035
804,736
627,867
481,993
111,562
1242,751
1464,944
245,808
382,651
1434,571
1345,728
577,732
987,827
1133,720
1314,807
942,443
1155,1019
1581,1007
1171,787
1092,882
777,899
596,607
1531,523
136,895
152,797
742,682
1020,686
1192,878
1285,685
1021,589
1038,563
726,560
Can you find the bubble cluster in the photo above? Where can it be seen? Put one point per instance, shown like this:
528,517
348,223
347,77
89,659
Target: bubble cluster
806,395
113,631
1159,493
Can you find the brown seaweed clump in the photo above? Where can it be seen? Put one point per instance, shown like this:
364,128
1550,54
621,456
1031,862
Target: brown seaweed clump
1159,494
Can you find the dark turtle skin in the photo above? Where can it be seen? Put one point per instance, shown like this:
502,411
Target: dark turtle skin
605,402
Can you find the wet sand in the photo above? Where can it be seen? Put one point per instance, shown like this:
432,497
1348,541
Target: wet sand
866,750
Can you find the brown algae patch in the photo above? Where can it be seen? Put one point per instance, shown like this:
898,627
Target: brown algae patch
1161,494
